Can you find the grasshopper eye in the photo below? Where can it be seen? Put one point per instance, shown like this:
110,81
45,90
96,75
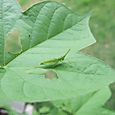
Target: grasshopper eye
41,63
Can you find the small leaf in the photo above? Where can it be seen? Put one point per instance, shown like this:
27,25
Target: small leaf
44,110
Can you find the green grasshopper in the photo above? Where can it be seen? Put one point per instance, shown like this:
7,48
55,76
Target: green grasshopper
54,61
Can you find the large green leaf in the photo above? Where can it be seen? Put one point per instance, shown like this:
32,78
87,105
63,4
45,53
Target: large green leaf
9,13
79,75
53,22
54,30
55,27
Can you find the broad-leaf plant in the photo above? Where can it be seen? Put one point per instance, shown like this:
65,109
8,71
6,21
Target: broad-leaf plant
76,85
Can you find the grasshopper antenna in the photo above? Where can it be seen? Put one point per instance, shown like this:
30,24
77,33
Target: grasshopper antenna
66,53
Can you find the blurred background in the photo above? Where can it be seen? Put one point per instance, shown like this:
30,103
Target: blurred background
102,24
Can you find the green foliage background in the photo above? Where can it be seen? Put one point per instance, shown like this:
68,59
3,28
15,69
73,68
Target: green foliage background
93,73
102,25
